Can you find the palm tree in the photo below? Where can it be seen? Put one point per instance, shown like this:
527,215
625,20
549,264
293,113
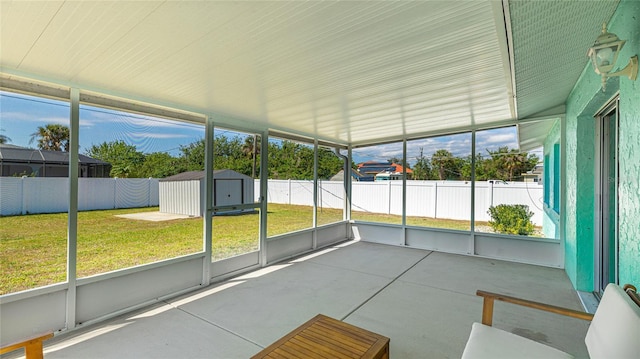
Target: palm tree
3,138
251,148
441,161
52,137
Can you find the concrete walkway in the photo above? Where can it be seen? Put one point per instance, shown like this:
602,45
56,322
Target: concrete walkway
424,301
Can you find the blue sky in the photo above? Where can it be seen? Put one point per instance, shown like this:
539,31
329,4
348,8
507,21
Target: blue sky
21,115
459,145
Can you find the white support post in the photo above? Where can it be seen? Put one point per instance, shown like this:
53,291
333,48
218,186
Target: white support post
264,183
207,236
348,186
72,223
404,192
472,239
315,194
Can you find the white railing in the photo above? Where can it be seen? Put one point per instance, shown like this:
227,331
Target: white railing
25,195
437,199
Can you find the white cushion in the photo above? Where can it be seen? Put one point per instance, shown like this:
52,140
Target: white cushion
615,329
489,342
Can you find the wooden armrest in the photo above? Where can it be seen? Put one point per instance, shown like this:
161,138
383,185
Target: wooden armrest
489,298
32,346
632,292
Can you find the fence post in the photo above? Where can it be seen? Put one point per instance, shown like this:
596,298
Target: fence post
149,192
490,193
389,196
23,205
115,191
435,200
289,190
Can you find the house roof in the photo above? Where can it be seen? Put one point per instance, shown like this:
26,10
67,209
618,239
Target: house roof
12,153
196,175
399,168
356,72
377,167
185,176
355,174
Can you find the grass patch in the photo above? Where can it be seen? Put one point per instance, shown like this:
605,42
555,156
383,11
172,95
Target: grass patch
33,248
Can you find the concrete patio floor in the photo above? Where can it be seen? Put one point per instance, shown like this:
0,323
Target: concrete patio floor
424,301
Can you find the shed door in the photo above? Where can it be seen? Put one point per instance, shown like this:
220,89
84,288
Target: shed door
227,192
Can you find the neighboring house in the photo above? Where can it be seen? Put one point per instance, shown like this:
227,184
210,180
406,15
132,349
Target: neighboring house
355,176
18,161
388,176
535,175
386,170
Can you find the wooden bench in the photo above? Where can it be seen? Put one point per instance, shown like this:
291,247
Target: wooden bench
32,346
324,337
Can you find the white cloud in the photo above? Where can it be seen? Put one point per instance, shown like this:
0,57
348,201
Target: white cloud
160,135
459,145
99,116
23,117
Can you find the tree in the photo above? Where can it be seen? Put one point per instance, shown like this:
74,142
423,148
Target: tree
159,165
52,137
251,149
421,169
3,138
395,160
509,164
125,160
192,158
290,160
328,163
445,165
227,154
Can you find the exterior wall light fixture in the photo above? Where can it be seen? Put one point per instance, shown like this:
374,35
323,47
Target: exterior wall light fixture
604,54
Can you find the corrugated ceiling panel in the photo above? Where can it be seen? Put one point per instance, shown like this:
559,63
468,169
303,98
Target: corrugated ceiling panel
531,135
551,39
344,71
16,40
79,34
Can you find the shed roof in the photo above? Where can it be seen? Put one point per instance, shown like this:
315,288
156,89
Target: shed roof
197,175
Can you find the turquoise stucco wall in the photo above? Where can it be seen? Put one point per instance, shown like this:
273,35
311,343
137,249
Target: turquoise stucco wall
579,129
626,24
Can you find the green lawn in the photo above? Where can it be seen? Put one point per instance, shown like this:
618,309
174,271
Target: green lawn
33,248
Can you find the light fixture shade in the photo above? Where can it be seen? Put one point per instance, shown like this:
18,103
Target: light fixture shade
604,51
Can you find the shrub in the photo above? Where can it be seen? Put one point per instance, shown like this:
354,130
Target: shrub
511,219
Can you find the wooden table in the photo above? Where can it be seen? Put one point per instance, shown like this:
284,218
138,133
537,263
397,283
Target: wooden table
324,337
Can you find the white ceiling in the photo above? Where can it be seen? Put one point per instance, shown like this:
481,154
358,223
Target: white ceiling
349,72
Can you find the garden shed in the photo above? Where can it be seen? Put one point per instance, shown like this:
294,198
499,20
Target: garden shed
181,193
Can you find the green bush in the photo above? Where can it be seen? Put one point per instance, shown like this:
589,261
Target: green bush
511,219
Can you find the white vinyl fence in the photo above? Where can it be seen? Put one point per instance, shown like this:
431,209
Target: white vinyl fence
28,195
436,199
